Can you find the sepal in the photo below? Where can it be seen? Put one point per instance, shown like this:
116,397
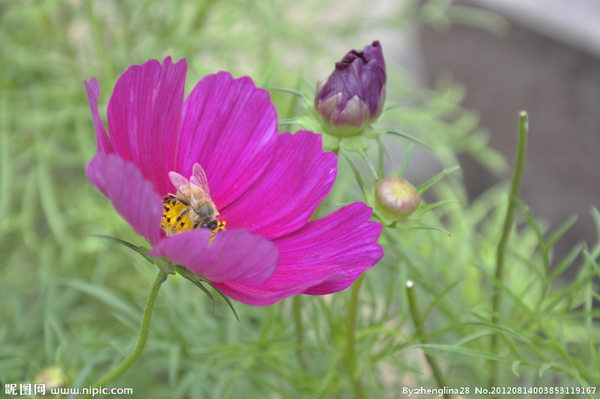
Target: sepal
198,280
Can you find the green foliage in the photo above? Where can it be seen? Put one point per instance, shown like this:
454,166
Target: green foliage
75,301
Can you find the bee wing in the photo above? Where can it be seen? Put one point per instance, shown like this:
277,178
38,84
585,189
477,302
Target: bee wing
199,179
178,180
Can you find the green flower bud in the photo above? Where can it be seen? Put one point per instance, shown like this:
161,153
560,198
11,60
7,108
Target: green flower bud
396,197
52,377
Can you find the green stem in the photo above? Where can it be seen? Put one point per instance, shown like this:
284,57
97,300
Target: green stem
420,332
508,222
297,311
142,339
359,391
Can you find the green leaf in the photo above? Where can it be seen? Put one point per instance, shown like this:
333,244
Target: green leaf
369,162
423,209
198,280
561,230
145,252
545,367
162,263
226,299
381,150
406,160
516,298
305,122
106,296
407,136
388,107
463,351
292,91
566,262
515,367
356,175
429,227
538,232
439,298
481,325
427,185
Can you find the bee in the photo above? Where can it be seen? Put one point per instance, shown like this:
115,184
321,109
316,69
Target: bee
191,207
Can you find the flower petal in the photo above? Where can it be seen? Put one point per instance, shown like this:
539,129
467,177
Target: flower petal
144,116
325,256
132,196
285,196
234,255
230,128
102,141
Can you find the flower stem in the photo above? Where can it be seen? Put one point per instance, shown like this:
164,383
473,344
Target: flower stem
142,339
508,222
351,349
297,311
420,330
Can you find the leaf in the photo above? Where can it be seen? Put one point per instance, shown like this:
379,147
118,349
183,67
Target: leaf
463,351
162,263
369,162
561,230
481,325
198,280
408,136
380,153
406,159
356,175
388,107
140,250
515,367
226,299
438,298
292,91
427,185
429,227
305,122
106,296
545,367
426,208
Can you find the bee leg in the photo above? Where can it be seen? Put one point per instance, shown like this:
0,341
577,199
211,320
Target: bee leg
182,214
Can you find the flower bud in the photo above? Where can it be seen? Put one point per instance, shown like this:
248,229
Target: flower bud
396,197
354,94
52,377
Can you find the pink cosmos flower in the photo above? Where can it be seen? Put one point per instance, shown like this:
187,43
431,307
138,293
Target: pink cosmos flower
265,186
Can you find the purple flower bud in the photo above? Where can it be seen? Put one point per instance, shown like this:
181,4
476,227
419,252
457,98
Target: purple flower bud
354,94
396,197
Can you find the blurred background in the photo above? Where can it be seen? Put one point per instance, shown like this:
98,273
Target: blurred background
461,70
543,58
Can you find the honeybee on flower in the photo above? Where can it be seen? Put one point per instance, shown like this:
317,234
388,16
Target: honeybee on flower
191,207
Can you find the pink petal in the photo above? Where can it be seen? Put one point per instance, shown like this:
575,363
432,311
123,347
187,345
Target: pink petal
132,196
325,256
102,141
144,116
234,255
230,128
285,196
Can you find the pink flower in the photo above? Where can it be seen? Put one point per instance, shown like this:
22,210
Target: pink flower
265,186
